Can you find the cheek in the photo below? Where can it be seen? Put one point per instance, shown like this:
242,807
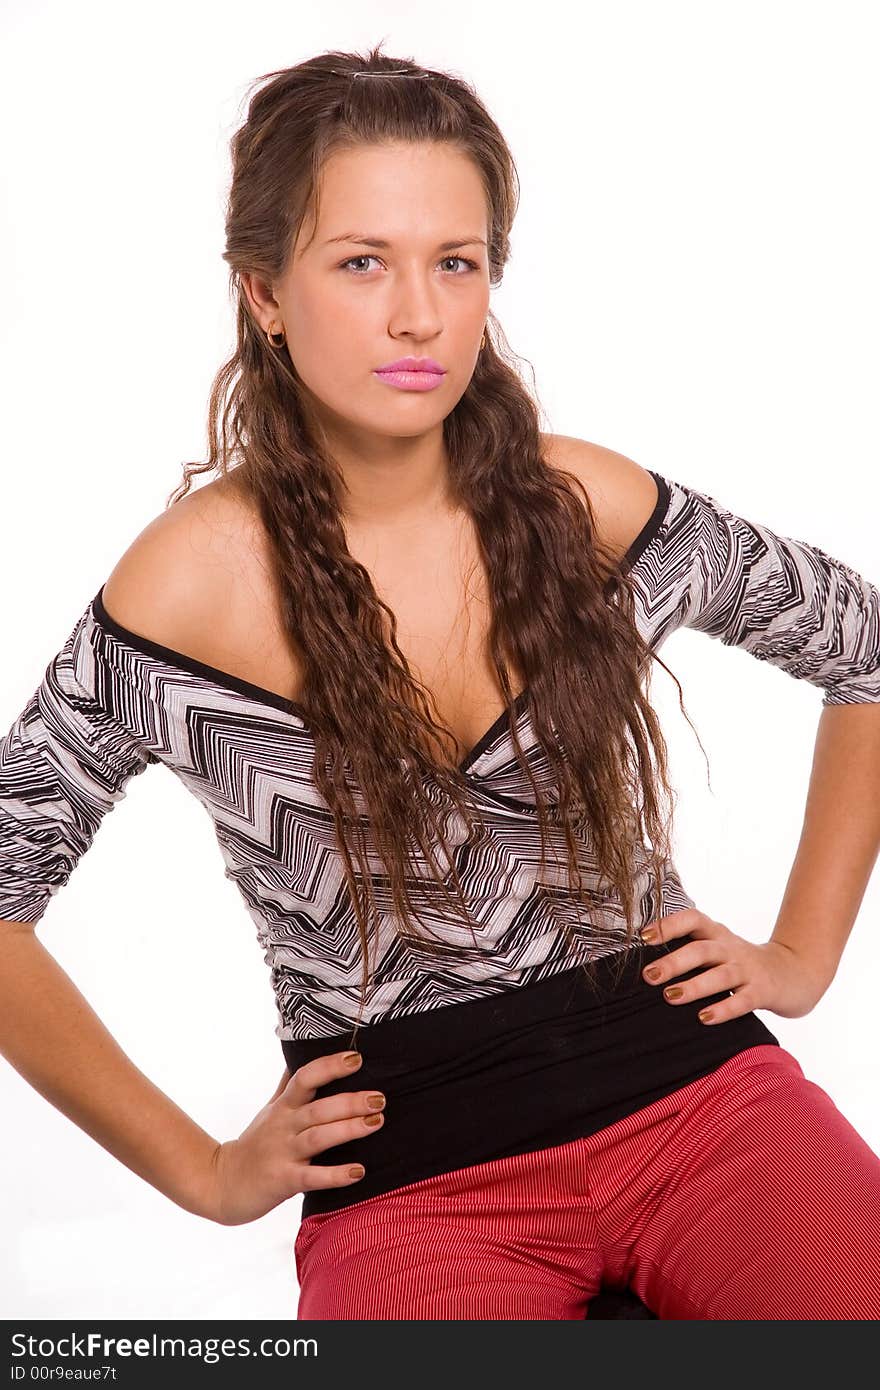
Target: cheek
335,368
324,345
314,322
331,330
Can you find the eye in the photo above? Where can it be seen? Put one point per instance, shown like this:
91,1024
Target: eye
352,259
472,265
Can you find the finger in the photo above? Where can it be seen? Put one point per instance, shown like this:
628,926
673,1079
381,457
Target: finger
326,1109
317,1138
672,925
312,1176
689,957
732,1006
318,1072
344,1105
716,981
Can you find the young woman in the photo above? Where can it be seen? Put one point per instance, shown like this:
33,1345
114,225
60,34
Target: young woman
400,648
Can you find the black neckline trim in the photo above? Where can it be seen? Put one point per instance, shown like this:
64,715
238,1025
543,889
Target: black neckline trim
171,657
495,730
652,525
190,663
264,696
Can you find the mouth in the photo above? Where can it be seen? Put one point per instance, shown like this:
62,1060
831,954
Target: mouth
409,380
413,364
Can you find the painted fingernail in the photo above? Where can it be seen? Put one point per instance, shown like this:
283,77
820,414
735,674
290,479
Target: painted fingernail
652,972
673,992
650,935
704,1016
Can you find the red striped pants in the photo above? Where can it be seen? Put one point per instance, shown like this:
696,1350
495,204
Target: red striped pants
744,1195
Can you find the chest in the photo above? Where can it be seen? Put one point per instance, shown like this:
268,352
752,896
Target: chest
437,588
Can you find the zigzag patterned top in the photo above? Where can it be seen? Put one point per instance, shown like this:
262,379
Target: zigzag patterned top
110,703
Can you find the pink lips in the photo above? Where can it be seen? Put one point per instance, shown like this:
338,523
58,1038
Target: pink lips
413,364
412,373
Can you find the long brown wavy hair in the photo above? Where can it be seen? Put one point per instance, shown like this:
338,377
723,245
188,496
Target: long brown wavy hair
561,607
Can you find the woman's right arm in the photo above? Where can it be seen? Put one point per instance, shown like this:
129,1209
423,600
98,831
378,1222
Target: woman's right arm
65,763
56,1042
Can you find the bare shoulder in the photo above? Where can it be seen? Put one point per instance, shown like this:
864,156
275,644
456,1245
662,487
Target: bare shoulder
623,494
182,576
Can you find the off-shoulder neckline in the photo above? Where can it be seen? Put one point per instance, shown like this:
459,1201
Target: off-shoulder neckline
169,656
262,695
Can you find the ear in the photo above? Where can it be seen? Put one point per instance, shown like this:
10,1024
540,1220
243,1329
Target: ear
263,304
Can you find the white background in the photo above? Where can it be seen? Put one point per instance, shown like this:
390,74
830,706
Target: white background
694,281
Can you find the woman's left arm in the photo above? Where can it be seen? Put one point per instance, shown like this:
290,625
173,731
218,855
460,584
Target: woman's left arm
787,602
839,841
836,853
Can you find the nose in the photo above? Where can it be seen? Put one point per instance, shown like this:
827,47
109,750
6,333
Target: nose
415,312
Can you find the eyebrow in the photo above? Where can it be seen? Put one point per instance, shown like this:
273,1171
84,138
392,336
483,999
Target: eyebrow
365,239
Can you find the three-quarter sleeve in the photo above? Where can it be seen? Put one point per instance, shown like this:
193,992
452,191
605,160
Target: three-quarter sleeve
785,601
64,763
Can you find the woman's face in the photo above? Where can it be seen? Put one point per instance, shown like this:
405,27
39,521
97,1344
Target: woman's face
349,307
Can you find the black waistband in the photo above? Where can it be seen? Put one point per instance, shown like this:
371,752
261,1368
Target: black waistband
526,1069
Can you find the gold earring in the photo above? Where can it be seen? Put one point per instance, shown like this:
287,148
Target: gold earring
482,342
272,336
